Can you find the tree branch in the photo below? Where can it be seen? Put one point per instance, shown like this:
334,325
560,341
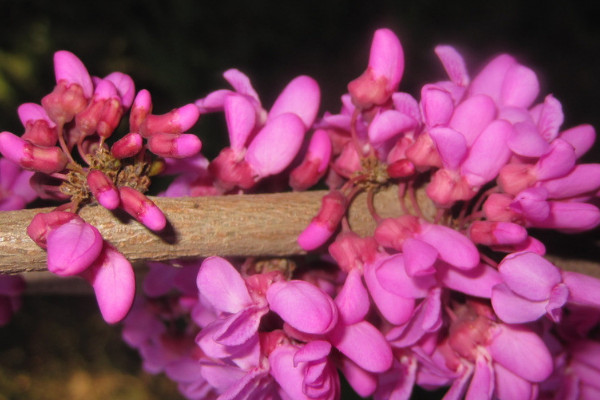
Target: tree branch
243,225
238,225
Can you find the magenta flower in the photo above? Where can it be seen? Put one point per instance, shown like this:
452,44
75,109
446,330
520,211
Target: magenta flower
305,372
15,189
383,74
111,276
303,306
11,288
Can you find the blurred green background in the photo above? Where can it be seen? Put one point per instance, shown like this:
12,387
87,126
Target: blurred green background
58,347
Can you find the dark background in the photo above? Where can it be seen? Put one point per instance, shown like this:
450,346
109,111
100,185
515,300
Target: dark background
58,347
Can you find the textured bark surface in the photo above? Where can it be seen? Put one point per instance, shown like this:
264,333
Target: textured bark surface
244,225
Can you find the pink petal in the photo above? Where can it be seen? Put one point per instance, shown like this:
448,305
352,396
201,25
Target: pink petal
222,285
583,289
450,144
472,116
406,104
437,105
532,204
581,137
70,68
73,247
527,141
364,383
570,216
521,351
300,97
363,344
549,118
12,147
520,87
320,148
276,145
482,383
303,306
478,281
426,318
558,162
289,378
353,300
514,309
174,145
511,386
312,351
314,236
33,112
386,57
113,281
213,101
391,275
124,85
529,275
389,124
490,80
241,119
241,327
584,178
419,257
453,247
395,308
454,64
488,154
241,83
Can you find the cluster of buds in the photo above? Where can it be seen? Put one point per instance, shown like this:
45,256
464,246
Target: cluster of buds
66,150
454,293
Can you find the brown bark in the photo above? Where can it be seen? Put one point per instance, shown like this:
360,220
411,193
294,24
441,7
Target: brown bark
242,225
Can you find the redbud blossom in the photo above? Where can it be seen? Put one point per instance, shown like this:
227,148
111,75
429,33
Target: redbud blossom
31,156
383,74
333,208
73,247
39,128
112,278
276,145
103,189
303,306
176,121
174,145
128,146
142,208
315,162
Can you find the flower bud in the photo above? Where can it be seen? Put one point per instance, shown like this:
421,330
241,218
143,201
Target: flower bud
176,121
31,156
333,208
142,208
128,146
174,145
103,189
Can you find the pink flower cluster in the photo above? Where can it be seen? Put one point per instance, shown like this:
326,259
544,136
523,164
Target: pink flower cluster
15,193
459,297
65,148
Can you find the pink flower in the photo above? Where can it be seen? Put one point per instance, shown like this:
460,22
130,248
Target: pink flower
383,74
15,189
304,306
11,288
305,372
111,276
